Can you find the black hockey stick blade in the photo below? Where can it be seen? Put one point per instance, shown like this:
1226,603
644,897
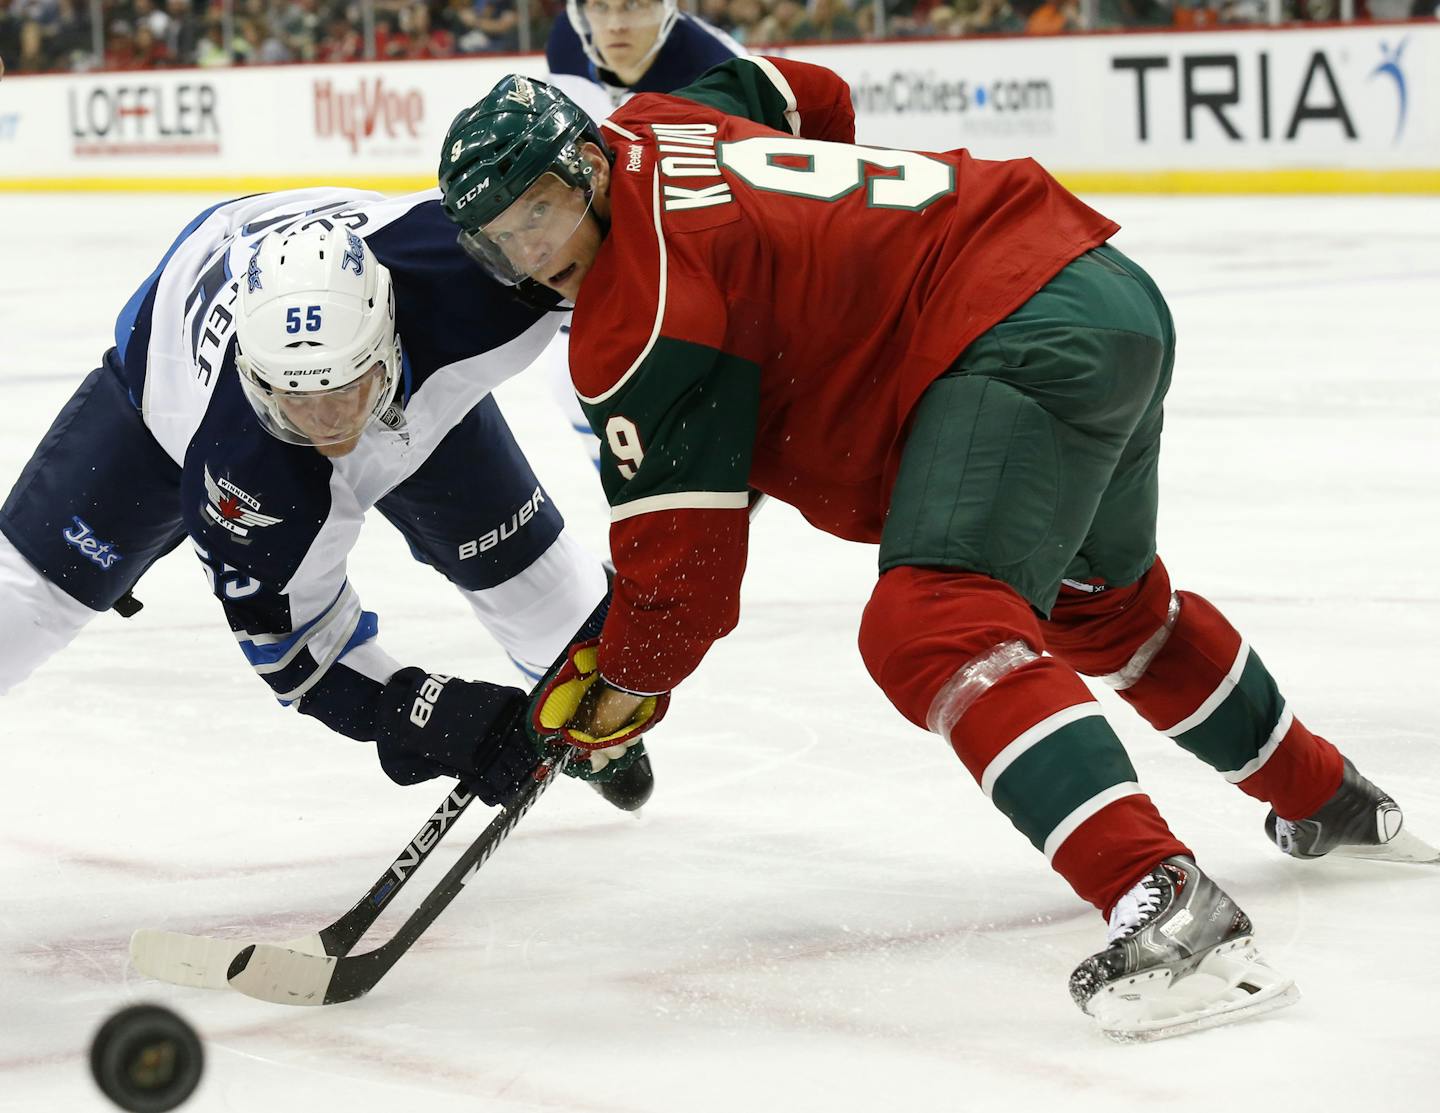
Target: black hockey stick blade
290,977
203,961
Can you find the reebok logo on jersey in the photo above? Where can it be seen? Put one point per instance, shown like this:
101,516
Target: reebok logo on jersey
505,531
83,538
232,509
633,158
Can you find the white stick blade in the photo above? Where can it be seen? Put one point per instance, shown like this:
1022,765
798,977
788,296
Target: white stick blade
198,961
284,976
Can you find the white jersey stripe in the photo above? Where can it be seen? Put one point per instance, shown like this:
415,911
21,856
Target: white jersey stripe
1033,737
1067,826
1282,728
777,79
682,500
1216,698
660,301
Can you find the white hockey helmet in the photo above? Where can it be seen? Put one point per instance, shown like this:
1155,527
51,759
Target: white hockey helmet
662,12
315,329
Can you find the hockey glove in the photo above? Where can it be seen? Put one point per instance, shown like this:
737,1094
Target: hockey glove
559,697
432,726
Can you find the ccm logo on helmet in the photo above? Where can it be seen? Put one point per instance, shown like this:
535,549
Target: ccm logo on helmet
506,530
471,195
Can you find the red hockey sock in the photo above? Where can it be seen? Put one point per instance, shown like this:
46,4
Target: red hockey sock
1178,662
957,651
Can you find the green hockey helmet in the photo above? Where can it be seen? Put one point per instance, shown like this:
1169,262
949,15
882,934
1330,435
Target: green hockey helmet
494,151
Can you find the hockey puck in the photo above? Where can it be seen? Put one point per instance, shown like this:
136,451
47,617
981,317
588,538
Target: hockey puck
146,1059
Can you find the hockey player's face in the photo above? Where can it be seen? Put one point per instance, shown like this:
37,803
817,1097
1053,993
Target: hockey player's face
333,420
549,235
623,31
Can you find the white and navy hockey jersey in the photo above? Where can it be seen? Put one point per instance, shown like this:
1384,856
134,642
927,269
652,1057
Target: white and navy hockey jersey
274,523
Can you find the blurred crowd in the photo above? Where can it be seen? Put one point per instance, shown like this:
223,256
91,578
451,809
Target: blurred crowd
48,35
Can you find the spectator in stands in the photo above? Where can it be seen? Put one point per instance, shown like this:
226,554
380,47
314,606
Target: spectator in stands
39,22
777,24
120,46
717,14
823,21
32,57
1135,13
500,22
995,17
391,42
745,16
210,49
154,19
151,52
299,27
1054,17
183,30
463,22
426,39
268,45
342,42
940,22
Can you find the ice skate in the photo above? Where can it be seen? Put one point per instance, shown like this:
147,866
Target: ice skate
1181,957
1359,821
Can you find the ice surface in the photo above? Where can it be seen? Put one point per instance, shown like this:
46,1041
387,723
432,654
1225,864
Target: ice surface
819,910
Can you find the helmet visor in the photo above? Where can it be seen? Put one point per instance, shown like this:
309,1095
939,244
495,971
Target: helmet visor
529,239
318,418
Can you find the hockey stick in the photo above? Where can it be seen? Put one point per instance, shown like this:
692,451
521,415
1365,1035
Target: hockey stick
287,976
202,961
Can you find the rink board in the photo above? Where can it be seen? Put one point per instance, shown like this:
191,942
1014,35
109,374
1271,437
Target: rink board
1335,109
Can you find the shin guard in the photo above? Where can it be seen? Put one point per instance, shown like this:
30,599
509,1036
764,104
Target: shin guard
956,652
1175,659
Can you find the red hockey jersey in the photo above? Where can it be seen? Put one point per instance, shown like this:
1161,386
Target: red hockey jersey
767,308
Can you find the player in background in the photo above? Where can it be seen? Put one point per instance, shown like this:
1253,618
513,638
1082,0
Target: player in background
942,356
600,54
294,360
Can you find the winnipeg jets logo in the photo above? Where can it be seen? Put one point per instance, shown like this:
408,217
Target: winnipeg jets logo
232,509
354,257
252,272
83,538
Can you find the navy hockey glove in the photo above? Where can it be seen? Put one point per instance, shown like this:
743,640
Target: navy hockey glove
557,699
434,726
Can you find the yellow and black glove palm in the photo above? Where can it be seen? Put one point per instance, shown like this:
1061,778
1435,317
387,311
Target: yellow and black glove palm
559,697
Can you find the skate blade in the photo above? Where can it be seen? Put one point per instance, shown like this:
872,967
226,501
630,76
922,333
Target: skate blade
1231,983
1404,847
